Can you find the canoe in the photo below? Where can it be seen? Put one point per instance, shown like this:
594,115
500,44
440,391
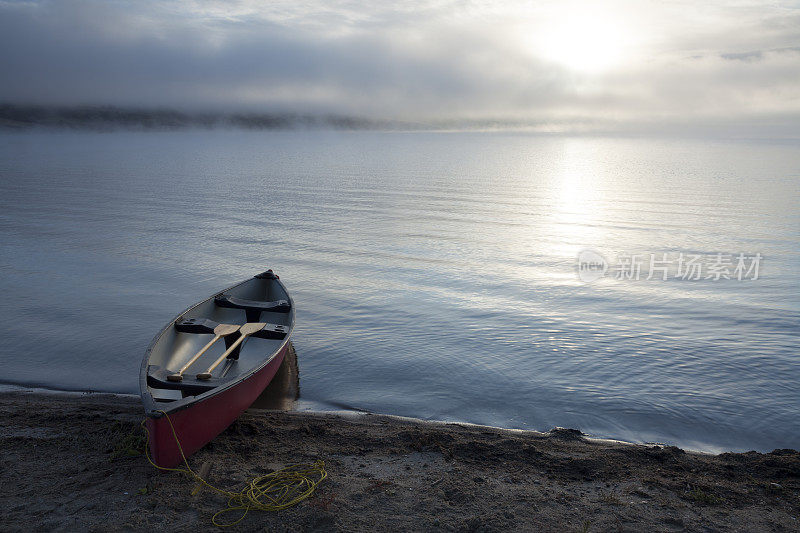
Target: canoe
250,324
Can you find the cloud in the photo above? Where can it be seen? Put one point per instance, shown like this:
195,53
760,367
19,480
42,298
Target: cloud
743,56
429,61
758,55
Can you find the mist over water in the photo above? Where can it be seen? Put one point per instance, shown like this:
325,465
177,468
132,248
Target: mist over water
434,274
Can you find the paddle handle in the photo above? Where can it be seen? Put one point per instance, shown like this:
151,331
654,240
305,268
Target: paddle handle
207,373
199,354
178,376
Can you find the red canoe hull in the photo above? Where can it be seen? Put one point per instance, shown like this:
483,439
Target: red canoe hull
197,424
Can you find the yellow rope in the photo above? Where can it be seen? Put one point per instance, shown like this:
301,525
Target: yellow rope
271,492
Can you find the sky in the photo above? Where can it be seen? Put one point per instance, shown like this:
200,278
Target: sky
554,66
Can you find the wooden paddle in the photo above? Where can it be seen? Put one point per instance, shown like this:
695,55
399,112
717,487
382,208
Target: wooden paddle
245,331
222,330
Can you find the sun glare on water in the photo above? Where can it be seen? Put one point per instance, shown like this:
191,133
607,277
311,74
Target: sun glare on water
583,44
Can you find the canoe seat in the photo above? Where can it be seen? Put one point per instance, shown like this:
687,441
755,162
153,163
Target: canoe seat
195,325
253,308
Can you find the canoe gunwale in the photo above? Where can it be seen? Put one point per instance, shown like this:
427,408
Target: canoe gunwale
154,409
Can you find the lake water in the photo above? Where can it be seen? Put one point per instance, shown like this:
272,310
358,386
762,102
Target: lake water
434,274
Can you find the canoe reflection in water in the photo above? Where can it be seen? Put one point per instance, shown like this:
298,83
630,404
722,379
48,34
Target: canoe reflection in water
284,389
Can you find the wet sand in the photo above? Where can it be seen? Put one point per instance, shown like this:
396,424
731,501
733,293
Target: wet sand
62,470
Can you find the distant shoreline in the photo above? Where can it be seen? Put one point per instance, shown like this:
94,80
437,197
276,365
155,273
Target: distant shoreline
383,473
104,118
101,119
119,118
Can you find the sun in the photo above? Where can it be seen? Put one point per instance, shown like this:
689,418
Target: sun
583,44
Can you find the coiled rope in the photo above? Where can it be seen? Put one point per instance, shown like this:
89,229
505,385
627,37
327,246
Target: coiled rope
271,492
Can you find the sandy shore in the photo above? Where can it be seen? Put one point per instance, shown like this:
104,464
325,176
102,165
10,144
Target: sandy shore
60,472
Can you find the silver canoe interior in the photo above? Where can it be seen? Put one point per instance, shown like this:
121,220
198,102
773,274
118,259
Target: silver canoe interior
173,348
